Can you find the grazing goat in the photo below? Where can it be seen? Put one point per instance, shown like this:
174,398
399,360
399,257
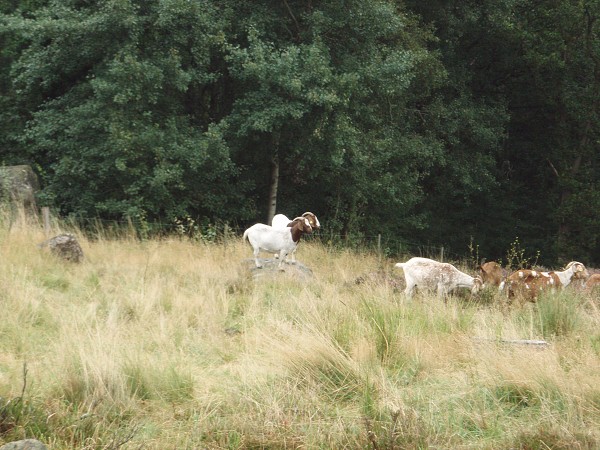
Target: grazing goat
442,277
592,282
269,239
491,273
530,283
281,222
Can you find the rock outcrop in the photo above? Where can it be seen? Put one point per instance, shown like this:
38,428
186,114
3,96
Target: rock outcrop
18,185
64,246
25,444
270,268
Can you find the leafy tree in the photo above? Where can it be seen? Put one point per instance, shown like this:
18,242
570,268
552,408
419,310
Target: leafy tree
12,119
537,65
561,53
338,100
439,122
111,85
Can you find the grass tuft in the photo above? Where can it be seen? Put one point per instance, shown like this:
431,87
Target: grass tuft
544,438
558,314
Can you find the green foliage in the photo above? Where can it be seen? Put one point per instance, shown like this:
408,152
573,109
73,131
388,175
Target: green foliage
517,257
433,122
119,127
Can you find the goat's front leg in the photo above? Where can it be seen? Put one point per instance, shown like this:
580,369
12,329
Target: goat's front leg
442,290
293,259
256,252
282,256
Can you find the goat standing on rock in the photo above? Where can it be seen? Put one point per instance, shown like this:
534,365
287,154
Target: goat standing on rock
441,277
281,241
281,222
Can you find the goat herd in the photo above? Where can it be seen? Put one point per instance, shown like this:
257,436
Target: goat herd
527,284
282,237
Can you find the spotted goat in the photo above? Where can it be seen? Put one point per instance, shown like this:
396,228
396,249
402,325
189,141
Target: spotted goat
433,275
592,282
529,284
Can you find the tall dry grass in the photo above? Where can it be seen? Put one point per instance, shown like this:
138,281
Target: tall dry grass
170,344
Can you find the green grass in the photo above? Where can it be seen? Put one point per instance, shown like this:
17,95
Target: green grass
169,344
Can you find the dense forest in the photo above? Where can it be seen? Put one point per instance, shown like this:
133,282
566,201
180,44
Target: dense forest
442,122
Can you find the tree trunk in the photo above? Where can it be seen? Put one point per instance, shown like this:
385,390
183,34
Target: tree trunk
273,186
274,183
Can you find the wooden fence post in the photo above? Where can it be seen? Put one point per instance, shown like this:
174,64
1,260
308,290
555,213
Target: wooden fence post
46,219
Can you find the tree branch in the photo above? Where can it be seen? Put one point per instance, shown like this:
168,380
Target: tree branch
294,19
553,168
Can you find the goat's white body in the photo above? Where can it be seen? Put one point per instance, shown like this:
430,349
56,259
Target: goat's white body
433,275
270,239
567,275
280,221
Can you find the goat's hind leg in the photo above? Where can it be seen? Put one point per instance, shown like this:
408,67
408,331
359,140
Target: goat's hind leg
410,287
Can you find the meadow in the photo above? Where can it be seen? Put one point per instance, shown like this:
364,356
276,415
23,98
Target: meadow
170,344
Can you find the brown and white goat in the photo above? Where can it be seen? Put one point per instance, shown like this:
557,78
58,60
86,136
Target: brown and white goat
491,273
592,282
530,283
281,222
281,241
434,275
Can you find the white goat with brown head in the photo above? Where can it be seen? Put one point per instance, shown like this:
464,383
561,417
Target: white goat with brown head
280,241
281,222
428,274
